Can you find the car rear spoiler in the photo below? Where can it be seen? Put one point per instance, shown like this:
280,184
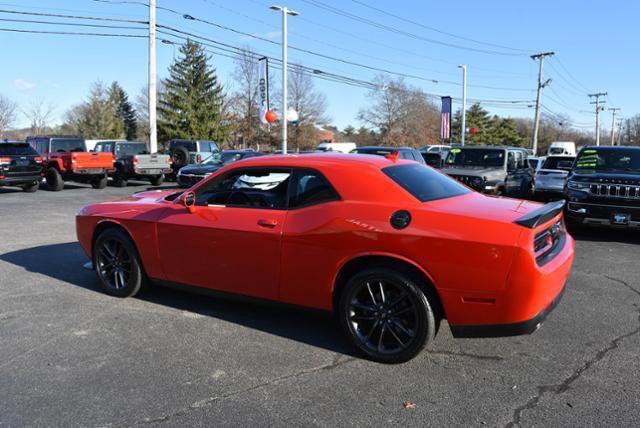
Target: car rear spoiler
541,215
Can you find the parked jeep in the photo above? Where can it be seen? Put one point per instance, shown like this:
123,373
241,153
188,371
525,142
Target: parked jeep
133,161
20,166
493,170
190,152
67,159
603,187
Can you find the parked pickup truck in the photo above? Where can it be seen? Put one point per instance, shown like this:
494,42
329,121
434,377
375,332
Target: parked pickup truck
67,159
133,161
20,166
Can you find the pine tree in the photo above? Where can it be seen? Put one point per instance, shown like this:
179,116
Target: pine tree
96,117
191,104
124,110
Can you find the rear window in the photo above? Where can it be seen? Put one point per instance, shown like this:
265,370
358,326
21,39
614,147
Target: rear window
189,145
553,162
424,183
15,149
68,145
129,149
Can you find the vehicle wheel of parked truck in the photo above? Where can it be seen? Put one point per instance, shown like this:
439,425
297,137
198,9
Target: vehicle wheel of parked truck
386,315
157,180
119,180
54,180
99,182
30,188
180,157
117,263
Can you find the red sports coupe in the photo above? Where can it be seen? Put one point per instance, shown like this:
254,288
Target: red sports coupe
390,246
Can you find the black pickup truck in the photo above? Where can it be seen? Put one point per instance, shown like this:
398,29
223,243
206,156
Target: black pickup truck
603,187
20,165
133,161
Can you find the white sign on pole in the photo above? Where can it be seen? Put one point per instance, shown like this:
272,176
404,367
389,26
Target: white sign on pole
263,88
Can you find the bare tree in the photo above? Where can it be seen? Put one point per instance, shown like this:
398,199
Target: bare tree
141,104
39,113
310,105
402,114
8,113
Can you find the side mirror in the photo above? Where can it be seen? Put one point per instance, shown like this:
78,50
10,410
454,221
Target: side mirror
189,201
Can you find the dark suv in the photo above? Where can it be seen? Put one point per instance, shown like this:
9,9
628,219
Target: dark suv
491,169
403,152
20,165
603,187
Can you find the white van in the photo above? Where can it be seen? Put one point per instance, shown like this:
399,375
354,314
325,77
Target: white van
560,148
336,147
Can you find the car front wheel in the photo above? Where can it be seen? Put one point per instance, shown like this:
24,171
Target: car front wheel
386,315
117,263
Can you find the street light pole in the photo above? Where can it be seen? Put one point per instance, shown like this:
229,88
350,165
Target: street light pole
463,131
285,12
153,134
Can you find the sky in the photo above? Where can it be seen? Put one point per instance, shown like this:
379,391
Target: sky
595,45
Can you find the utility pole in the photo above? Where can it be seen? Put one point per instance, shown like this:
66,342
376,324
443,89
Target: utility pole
285,12
613,124
463,131
541,85
620,130
153,134
599,108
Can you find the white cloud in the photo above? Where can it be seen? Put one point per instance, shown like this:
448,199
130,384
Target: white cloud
23,84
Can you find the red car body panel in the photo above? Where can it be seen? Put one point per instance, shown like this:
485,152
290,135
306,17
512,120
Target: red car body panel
481,264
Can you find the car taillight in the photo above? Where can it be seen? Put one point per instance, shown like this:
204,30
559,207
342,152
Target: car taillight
170,161
38,159
546,241
5,161
199,158
135,161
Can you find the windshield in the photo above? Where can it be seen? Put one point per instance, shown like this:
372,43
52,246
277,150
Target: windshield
13,149
476,157
213,159
130,149
610,159
424,183
559,162
556,150
68,145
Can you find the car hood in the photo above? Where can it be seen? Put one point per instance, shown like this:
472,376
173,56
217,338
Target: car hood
474,172
200,169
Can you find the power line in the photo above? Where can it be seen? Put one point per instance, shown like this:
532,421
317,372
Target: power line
410,21
339,12
57,15
571,75
74,24
15,30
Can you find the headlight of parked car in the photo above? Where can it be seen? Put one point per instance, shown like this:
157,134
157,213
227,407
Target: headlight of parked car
577,185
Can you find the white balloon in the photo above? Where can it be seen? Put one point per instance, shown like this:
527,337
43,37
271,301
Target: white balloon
292,115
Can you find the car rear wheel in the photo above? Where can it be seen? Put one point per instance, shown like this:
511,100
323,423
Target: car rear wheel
54,180
180,157
119,180
30,188
386,315
99,182
117,263
157,180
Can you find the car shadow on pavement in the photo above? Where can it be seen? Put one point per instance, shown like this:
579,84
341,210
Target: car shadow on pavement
64,262
601,234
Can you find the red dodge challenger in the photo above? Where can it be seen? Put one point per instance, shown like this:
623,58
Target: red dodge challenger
390,246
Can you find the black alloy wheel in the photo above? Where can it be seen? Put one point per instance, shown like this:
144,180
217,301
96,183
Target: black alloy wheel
386,315
117,263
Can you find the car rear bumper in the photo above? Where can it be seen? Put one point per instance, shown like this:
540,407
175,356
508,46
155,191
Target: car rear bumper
19,180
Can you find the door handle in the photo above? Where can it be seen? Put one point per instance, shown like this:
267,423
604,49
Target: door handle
267,223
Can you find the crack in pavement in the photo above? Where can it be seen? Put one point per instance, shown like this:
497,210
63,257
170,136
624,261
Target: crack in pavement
467,355
337,361
626,284
564,385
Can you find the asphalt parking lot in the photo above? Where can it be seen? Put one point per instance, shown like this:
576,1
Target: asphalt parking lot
73,356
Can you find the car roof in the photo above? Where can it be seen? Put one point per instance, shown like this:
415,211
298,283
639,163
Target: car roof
610,147
321,159
391,148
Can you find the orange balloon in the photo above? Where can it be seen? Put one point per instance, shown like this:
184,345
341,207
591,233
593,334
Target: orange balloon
271,116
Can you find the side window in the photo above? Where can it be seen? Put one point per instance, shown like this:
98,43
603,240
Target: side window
309,187
511,158
247,188
107,147
98,147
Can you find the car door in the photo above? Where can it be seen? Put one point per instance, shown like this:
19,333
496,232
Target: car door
231,241
511,183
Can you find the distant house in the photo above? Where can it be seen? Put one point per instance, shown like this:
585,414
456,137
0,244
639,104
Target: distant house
324,135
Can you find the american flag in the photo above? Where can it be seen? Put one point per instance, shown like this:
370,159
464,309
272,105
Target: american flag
445,119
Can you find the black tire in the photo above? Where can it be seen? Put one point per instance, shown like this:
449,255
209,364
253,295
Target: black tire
119,179
180,157
55,183
30,188
99,182
117,263
157,180
366,311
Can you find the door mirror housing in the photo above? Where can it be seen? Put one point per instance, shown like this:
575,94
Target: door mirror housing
189,201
